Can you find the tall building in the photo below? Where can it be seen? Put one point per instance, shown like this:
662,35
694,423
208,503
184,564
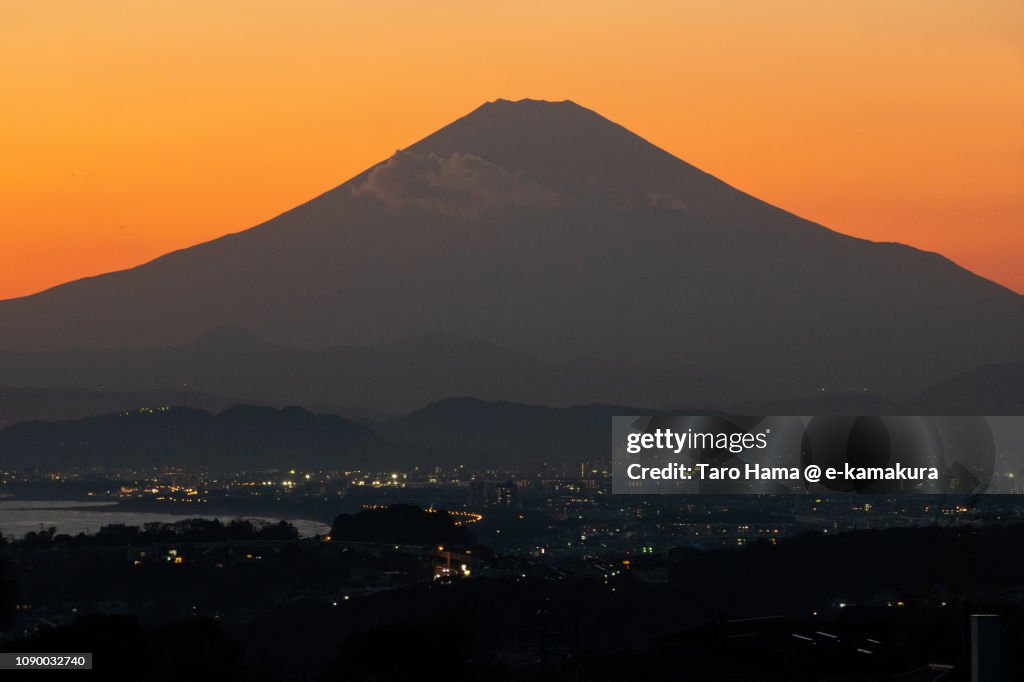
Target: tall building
505,494
477,494
985,648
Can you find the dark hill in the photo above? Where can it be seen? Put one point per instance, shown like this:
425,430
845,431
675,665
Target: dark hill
239,438
510,432
989,390
50,404
401,524
392,377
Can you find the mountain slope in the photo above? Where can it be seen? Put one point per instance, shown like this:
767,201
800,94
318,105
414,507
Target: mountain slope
241,438
510,432
28,404
990,390
392,378
546,229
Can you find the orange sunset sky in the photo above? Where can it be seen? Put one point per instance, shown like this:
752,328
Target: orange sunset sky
129,128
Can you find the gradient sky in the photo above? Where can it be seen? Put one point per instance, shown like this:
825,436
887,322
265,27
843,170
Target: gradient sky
129,128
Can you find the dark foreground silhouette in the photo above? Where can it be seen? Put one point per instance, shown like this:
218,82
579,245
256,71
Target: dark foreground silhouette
856,606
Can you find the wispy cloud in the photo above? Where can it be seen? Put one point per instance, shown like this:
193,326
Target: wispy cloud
461,184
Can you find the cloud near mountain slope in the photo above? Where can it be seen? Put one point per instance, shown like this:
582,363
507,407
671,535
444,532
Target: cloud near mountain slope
461,184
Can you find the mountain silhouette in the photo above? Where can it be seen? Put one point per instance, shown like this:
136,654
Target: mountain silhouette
547,230
392,378
989,390
242,437
517,432
30,404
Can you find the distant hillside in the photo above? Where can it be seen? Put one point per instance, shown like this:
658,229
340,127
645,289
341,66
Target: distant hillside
463,430
510,431
240,438
19,404
392,378
454,431
989,390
